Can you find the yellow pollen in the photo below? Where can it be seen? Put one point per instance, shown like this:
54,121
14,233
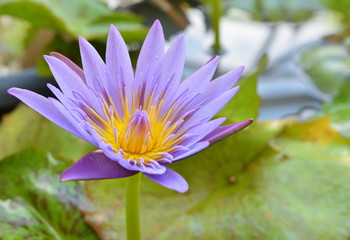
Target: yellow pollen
141,134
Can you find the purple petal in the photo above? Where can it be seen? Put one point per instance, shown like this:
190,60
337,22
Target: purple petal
195,148
160,169
202,130
170,179
43,106
151,53
67,79
199,80
118,62
208,111
225,131
70,64
82,133
171,67
71,83
222,84
93,65
95,165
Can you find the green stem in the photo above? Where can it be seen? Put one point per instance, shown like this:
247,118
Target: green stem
215,18
132,206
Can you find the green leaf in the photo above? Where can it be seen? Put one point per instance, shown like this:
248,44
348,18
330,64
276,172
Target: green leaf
75,18
30,10
209,171
274,180
247,102
327,66
278,11
338,109
24,128
34,204
340,6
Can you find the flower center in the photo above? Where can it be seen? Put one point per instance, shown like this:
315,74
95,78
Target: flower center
136,136
143,136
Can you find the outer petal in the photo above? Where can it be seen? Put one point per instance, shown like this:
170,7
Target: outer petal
118,62
95,165
151,53
225,131
75,123
199,80
43,106
222,84
70,64
171,67
208,111
195,148
202,130
170,179
67,79
95,69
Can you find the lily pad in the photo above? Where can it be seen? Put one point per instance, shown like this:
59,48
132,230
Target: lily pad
338,110
33,204
25,128
207,172
276,180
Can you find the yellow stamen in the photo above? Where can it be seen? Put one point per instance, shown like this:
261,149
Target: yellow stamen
141,133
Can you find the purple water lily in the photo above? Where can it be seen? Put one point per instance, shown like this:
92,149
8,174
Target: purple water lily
139,122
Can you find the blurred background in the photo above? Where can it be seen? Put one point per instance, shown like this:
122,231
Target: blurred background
306,42
287,176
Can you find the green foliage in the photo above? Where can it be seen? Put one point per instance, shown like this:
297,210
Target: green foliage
275,180
340,6
25,128
247,102
328,67
338,109
76,18
67,20
278,11
33,204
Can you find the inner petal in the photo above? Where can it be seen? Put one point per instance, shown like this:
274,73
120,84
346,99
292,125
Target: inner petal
136,136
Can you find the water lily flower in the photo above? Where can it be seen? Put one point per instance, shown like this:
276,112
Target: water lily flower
139,122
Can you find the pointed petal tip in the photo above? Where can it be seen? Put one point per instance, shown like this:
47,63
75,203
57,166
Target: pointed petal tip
11,91
113,29
156,26
47,57
240,69
54,54
14,91
157,22
63,178
180,40
82,41
214,60
226,130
